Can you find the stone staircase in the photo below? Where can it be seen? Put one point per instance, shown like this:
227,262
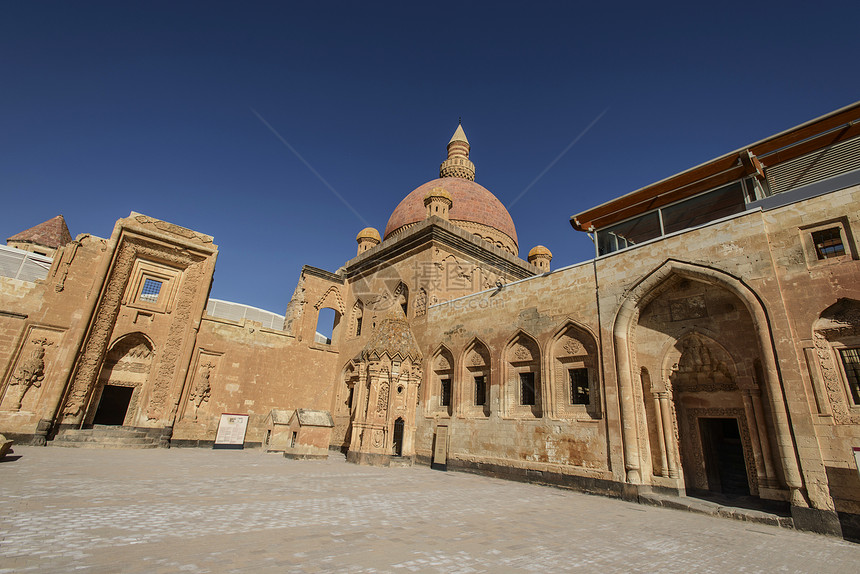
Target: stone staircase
103,436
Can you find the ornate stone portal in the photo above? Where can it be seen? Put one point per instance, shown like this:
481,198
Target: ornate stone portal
386,394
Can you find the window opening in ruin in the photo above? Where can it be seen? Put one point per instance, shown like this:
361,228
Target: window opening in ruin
327,321
828,243
445,397
358,327
851,362
527,388
151,289
480,390
349,398
579,388
293,439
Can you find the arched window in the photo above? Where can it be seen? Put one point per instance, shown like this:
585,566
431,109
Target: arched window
522,378
442,383
574,373
401,296
475,388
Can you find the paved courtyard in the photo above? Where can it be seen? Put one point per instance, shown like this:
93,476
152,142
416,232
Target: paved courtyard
198,510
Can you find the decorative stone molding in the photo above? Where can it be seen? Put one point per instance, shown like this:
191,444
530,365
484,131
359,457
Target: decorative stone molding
95,346
331,298
693,416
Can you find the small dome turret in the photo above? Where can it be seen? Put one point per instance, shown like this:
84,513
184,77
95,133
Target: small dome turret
540,256
367,238
438,202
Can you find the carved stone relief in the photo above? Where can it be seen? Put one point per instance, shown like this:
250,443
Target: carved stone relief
30,372
421,303
521,353
699,370
688,308
202,388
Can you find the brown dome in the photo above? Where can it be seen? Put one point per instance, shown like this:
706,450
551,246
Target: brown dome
472,203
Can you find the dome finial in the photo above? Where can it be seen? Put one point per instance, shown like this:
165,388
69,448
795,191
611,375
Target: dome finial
458,164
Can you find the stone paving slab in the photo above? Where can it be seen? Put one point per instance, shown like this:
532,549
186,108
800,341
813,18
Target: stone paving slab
199,510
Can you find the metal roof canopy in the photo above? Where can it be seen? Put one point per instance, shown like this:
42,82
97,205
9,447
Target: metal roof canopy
821,132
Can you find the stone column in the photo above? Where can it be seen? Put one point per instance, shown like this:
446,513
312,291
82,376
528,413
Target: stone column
629,435
658,422
760,423
784,439
668,434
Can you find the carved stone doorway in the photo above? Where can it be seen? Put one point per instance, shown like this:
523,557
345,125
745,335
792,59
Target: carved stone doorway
723,454
398,437
113,405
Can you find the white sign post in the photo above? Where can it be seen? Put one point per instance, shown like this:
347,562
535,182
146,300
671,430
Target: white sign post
857,457
231,431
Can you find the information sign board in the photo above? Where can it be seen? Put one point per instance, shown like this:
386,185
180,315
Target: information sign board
231,431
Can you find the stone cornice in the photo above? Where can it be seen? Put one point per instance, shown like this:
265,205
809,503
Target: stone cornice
323,274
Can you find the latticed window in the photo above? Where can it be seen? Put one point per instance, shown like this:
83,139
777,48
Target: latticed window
151,289
828,243
579,388
527,388
851,362
480,390
445,397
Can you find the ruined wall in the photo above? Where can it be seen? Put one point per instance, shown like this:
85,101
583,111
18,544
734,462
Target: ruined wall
240,367
41,325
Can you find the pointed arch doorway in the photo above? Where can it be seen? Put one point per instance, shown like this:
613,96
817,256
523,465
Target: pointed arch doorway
122,378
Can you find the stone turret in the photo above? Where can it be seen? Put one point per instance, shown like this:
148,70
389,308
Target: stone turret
367,238
458,164
541,257
438,202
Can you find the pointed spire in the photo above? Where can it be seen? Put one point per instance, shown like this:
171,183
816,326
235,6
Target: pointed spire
458,164
459,135
53,233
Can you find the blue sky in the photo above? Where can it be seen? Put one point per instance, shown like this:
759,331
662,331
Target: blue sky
113,107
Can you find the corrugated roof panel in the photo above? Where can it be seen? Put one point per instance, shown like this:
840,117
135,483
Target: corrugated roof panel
816,166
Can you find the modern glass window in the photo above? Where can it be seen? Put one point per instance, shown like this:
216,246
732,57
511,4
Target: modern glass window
151,289
445,397
828,243
709,206
628,233
579,388
851,362
703,208
480,390
527,388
